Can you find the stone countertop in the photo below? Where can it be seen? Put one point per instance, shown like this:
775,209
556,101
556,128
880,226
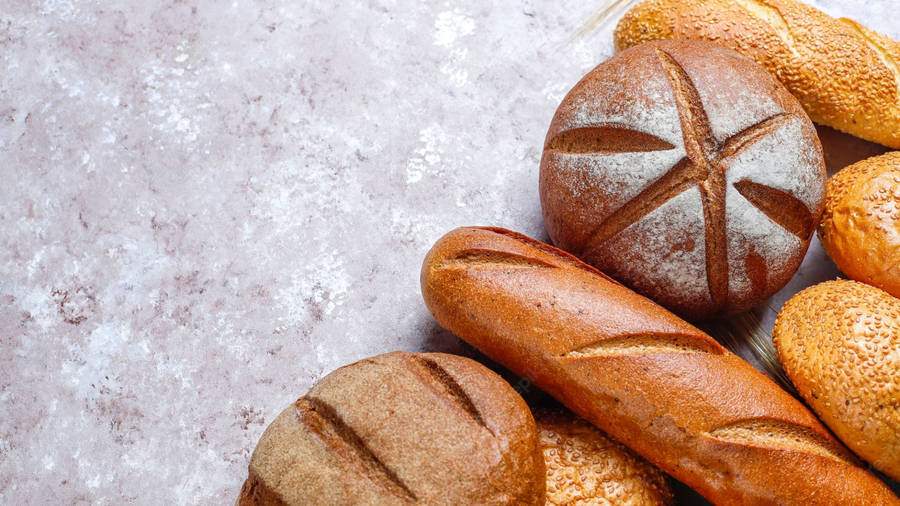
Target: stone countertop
206,206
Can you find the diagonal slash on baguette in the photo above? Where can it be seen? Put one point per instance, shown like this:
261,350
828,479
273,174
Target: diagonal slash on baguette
646,377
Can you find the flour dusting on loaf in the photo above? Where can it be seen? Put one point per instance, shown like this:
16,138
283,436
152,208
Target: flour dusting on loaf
670,223
733,100
682,268
753,237
649,106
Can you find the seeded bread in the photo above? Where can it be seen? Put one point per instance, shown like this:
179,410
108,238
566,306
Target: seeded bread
860,228
586,467
839,343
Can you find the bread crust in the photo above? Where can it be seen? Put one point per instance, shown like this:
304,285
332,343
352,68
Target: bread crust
835,340
845,75
860,228
639,373
400,428
687,172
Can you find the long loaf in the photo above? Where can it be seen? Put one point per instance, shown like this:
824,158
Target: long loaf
646,377
845,75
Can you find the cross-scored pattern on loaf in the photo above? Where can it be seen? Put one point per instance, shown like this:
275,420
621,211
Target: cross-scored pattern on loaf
703,167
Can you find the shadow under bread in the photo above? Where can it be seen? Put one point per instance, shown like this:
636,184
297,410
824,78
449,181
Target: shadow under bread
842,149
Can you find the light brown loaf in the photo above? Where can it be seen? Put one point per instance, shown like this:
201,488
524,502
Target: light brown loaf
839,342
845,75
639,373
399,428
860,228
585,467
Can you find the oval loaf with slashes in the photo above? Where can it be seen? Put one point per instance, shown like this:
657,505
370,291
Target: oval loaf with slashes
401,428
685,171
636,371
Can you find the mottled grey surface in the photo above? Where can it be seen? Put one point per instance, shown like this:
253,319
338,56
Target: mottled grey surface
205,206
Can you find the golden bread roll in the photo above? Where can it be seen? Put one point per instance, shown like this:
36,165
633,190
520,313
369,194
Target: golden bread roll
860,228
586,467
839,342
400,428
845,75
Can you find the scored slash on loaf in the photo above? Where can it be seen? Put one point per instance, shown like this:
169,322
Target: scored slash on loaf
672,394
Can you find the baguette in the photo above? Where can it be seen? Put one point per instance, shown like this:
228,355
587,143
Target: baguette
845,75
638,372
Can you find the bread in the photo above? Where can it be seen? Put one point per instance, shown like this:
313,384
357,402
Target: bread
688,173
586,467
839,342
845,75
860,228
399,428
639,373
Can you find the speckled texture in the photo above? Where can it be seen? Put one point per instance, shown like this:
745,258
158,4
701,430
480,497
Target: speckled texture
860,228
839,342
684,235
207,206
846,75
587,468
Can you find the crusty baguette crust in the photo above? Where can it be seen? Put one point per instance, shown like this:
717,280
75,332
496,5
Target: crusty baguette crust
638,372
845,75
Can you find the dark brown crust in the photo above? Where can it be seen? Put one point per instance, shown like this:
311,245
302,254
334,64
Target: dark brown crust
587,225
780,206
609,138
458,396
708,419
256,493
